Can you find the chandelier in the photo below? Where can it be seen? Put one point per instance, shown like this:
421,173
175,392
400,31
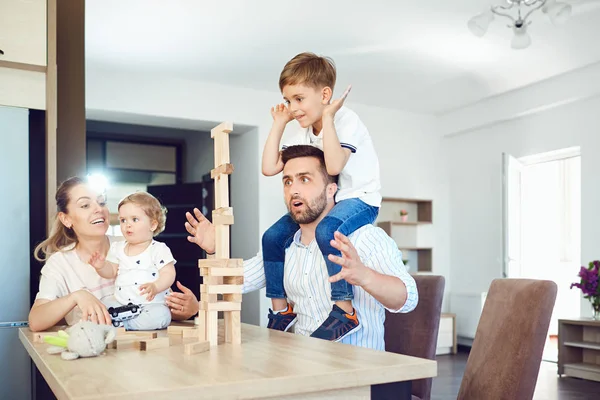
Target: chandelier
518,12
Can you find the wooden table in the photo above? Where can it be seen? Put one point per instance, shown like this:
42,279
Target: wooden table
268,364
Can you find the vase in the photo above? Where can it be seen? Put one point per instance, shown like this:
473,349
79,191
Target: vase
404,218
596,311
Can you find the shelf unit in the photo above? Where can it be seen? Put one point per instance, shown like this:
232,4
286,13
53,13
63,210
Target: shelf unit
447,343
579,348
410,235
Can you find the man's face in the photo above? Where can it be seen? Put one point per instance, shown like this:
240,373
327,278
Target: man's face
305,190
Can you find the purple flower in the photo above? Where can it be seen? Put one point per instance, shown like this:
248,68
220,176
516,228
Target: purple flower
589,280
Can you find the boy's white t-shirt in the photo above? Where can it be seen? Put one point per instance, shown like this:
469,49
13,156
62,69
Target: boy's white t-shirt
136,270
360,177
64,273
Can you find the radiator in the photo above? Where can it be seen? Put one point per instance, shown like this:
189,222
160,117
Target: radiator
467,307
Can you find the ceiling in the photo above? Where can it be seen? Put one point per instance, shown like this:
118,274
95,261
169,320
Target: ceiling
417,56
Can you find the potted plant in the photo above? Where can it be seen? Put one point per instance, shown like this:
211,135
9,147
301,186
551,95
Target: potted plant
403,215
589,285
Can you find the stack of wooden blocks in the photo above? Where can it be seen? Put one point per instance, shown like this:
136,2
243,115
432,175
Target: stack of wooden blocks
220,274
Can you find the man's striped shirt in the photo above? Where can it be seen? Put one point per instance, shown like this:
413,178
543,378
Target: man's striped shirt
307,286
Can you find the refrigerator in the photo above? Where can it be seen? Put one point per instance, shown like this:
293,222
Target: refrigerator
15,378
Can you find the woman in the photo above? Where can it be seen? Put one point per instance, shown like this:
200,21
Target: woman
70,288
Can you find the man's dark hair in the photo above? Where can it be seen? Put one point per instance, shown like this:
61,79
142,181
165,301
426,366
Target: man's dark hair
304,150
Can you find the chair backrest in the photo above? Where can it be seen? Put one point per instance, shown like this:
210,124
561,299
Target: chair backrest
416,333
507,351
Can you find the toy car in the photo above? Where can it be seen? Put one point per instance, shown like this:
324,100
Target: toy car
124,313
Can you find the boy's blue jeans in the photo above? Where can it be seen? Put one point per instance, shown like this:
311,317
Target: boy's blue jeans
345,217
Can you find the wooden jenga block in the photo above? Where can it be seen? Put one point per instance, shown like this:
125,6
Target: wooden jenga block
212,280
233,327
223,211
224,289
222,191
178,330
222,241
200,322
221,140
226,169
223,216
224,157
225,127
227,322
222,220
144,334
124,344
233,297
152,344
209,298
197,347
222,271
233,280
218,264
188,333
218,143
121,330
221,306
212,327
131,335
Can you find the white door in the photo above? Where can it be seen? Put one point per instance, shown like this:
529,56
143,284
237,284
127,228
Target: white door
511,185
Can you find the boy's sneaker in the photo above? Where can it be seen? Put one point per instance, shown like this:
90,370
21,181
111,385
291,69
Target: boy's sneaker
283,320
337,326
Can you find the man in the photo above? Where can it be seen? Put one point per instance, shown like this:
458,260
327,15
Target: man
370,259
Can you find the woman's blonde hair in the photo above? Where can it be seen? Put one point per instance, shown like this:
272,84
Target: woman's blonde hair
60,235
151,206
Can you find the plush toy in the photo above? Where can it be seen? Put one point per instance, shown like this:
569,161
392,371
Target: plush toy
84,339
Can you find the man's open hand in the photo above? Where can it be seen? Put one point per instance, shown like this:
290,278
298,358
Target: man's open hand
353,270
202,231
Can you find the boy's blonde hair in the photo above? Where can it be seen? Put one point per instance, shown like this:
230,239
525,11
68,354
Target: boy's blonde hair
308,69
151,206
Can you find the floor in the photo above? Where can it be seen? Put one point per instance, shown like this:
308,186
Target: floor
549,386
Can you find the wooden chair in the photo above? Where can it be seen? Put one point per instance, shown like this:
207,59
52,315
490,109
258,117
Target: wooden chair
415,333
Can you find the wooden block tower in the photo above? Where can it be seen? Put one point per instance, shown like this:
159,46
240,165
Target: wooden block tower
220,274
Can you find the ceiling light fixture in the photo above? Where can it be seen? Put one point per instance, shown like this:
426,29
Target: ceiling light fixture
557,11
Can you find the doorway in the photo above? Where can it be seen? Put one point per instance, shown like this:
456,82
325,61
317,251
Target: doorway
542,227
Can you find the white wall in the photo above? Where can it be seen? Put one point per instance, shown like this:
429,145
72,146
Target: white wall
410,151
245,203
199,157
475,168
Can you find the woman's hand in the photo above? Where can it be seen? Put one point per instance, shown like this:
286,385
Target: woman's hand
183,305
91,308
